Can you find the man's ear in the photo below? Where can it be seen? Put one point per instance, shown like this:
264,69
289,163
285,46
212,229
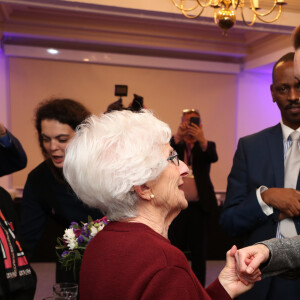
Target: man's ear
143,191
272,87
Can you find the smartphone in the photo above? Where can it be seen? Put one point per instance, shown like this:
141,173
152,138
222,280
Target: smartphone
195,120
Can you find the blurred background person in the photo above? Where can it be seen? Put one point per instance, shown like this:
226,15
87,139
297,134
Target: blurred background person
189,230
18,279
133,175
49,204
12,155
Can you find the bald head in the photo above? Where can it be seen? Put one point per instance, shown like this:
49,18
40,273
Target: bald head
289,57
297,38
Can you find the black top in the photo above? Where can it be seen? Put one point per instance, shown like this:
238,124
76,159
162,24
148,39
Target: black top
49,204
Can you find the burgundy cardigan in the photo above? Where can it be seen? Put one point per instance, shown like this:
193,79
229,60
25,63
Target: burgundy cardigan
131,261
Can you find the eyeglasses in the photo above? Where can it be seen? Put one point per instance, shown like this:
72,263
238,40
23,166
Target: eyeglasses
174,158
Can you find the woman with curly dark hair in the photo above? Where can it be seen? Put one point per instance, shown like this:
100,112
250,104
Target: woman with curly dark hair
49,203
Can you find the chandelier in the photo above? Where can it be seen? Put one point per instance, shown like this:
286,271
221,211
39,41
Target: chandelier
224,10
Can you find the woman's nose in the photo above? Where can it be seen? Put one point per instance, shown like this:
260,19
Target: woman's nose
53,145
183,169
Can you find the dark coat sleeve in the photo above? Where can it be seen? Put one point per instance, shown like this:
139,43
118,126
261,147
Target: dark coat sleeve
12,158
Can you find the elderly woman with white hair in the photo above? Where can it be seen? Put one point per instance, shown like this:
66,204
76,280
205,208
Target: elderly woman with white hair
122,163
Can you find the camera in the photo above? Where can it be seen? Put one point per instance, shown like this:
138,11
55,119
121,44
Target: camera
121,90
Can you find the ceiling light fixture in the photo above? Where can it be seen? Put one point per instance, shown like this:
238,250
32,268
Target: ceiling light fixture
224,10
52,51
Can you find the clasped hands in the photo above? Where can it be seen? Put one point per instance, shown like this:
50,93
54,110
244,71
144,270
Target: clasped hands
242,268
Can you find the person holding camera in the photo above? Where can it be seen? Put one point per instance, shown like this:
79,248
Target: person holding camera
188,230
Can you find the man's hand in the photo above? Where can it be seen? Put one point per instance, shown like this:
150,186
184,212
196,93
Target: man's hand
2,130
248,261
287,201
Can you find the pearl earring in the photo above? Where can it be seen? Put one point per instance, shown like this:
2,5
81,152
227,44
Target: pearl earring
152,196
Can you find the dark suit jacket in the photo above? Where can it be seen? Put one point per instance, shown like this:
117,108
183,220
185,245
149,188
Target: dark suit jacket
201,162
12,158
259,160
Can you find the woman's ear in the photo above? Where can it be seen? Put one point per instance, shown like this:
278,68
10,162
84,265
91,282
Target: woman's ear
143,191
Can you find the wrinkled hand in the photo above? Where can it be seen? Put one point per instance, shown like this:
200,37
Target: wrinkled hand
287,201
229,277
2,130
248,261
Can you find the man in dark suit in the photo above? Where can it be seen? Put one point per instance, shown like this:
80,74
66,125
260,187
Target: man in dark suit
256,199
12,156
188,231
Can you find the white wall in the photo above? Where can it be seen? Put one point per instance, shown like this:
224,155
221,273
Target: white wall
255,108
166,92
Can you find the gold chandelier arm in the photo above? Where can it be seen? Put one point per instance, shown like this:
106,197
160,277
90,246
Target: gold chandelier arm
215,15
235,4
244,20
182,8
273,20
264,14
192,16
208,3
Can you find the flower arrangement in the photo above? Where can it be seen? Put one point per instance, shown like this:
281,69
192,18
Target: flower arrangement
75,240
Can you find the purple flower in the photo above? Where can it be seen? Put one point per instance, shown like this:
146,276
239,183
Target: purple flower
86,232
64,254
80,240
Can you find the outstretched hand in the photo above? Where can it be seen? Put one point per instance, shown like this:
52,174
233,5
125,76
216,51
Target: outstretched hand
229,277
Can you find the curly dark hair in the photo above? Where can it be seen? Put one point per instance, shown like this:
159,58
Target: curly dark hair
65,111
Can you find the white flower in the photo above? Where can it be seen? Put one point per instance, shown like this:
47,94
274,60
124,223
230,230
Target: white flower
94,231
69,238
101,226
72,245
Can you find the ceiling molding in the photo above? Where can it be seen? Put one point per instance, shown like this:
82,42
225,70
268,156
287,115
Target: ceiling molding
121,59
123,30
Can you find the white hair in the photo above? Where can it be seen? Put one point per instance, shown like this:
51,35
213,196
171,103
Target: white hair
111,154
